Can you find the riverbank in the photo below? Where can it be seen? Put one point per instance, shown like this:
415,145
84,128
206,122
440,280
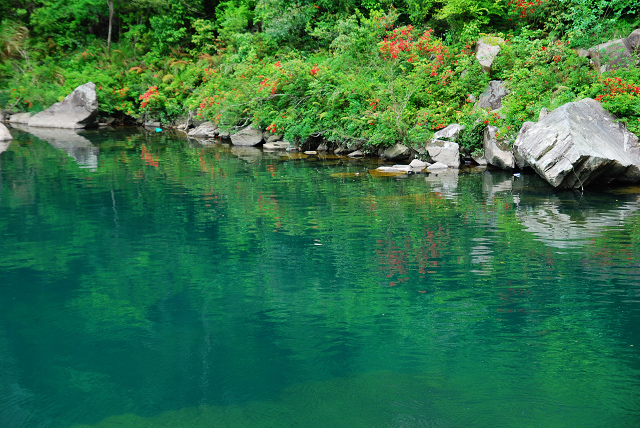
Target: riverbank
361,81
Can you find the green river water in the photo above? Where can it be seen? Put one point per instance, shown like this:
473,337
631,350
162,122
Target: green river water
150,281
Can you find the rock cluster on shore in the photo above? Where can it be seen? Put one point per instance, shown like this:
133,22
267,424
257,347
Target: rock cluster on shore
575,145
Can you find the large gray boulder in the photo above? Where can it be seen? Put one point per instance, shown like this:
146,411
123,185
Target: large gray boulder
445,152
78,110
633,41
492,97
522,164
614,54
204,130
580,144
495,152
5,135
247,137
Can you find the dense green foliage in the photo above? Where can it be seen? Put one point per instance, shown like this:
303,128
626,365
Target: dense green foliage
351,71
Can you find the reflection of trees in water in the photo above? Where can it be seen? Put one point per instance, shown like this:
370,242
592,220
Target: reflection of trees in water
16,402
237,276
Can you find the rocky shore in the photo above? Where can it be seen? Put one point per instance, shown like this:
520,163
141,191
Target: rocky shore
576,145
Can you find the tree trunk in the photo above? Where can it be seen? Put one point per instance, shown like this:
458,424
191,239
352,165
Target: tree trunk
110,4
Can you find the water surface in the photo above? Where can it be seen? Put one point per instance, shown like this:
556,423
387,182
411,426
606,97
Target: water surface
149,281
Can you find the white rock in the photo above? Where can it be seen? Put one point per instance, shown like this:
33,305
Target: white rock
578,144
437,166
276,145
20,118
5,135
78,110
450,133
495,155
444,152
418,164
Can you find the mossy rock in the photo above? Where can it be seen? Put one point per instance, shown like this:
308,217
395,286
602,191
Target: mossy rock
492,40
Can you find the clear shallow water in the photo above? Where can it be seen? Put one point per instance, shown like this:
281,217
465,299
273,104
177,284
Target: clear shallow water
146,281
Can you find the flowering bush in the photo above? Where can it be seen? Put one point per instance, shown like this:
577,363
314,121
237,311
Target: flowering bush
619,93
401,43
540,73
152,94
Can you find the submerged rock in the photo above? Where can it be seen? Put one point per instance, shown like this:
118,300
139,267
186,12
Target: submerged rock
580,144
78,110
387,171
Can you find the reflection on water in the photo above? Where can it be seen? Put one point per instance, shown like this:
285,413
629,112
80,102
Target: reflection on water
68,140
560,226
181,285
562,219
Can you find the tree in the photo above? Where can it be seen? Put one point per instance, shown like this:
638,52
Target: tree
110,4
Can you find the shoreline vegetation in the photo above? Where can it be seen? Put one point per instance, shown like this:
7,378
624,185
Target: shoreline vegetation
362,75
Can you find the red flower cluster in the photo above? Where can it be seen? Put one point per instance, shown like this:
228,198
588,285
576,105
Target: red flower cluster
314,70
524,8
209,101
615,86
148,96
401,42
273,128
265,83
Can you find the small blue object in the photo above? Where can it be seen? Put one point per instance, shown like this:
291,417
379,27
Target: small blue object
158,129
517,174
